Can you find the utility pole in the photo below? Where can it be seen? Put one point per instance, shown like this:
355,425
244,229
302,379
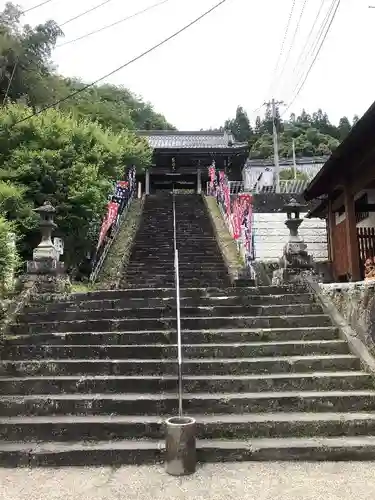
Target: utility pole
276,174
294,160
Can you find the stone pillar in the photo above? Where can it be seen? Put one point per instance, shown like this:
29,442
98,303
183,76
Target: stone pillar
199,181
147,182
351,236
46,270
295,259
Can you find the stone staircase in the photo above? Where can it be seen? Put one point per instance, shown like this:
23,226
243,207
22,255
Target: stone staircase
88,379
151,262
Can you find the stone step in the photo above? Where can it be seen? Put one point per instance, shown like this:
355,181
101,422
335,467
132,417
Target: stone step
153,312
201,323
270,425
136,451
75,384
192,366
143,282
251,300
166,292
140,267
154,351
201,236
142,337
193,403
200,275
160,257
163,254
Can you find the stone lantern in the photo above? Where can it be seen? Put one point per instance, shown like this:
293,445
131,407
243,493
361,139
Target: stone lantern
46,249
295,259
45,269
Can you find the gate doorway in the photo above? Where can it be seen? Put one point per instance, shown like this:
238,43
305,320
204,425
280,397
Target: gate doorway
167,181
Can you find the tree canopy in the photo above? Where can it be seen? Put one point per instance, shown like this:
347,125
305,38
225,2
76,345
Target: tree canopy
313,135
71,162
27,75
71,154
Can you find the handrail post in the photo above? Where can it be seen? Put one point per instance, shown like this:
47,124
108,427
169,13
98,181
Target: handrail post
180,431
178,312
179,340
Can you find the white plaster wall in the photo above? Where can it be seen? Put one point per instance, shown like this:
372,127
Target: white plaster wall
370,220
271,234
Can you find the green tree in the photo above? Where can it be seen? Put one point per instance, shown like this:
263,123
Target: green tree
72,163
114,107
25,63
240,126
27,76
313,134
288,174
344,127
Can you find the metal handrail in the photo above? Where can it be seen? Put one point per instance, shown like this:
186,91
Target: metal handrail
98,265
177,286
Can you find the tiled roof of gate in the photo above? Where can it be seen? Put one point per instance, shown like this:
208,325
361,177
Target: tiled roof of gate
162,139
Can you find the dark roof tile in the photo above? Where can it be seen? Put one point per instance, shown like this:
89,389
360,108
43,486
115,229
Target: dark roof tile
161,139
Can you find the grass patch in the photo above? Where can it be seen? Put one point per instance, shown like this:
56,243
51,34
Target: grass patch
81,288
119,253
226,242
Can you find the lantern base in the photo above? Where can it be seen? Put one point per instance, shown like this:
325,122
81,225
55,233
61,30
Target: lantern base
48,276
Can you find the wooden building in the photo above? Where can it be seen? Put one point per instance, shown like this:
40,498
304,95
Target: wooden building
345,189
182,158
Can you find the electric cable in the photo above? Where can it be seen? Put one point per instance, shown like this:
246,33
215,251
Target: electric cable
281,48
299,71
316,56
308,37
84,13
99,30
17,60
36,6
280,75
119,68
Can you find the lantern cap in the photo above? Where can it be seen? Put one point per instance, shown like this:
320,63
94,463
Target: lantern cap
46,208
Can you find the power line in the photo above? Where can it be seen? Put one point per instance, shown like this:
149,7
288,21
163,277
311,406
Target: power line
316,56
85,12
113,24
10,82
17,58
293,40
36,6
282,47
146,52
308,38
314,46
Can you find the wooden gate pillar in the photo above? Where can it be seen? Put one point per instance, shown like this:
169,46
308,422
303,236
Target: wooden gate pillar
351,236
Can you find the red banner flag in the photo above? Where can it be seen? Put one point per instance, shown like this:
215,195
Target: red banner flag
112,210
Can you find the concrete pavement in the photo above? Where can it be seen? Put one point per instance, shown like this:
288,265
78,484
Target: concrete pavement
251,480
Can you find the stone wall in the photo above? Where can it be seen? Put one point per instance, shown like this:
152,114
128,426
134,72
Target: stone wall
271,234
274,202
356,303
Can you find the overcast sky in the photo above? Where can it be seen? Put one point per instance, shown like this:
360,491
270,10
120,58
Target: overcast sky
198,79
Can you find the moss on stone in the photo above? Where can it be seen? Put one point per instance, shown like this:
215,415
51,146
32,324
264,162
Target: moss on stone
356,303
227,245
119,253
